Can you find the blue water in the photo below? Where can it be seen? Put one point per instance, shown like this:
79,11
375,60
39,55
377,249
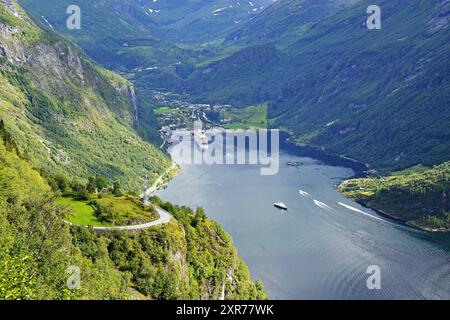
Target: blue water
309,252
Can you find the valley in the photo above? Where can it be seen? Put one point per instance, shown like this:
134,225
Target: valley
89,118
69,150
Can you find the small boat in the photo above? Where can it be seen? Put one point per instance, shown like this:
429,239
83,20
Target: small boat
280,205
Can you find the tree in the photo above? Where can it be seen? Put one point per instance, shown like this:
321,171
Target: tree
53,184
101,182
7,138
200,216
80,191
92,185
116,189
62,182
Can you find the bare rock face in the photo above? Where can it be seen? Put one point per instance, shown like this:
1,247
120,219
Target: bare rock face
2,52
11,7
11,48
74,62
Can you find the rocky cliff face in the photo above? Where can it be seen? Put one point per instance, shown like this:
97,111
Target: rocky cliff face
67,113
56,67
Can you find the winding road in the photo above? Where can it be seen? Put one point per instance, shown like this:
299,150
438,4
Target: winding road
156,184
164,217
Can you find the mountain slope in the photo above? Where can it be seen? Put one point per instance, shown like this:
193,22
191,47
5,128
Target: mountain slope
379,96
419,198
66,113
284,21
118,34
177,21
189,258
134,35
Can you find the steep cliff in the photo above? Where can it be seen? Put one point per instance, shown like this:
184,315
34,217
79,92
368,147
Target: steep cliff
66,113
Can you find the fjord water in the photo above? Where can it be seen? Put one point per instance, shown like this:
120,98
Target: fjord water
313,251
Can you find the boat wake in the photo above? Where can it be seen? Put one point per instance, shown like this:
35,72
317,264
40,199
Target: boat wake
360,211
322,205
303,193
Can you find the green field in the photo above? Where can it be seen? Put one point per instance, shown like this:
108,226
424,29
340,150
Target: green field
165,110
123,210
251,117
82,212
108,210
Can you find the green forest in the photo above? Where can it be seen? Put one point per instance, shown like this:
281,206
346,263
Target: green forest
192,257
419,196
70,158
67,114
80,143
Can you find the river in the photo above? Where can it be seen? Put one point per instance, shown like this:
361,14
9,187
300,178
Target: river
320,248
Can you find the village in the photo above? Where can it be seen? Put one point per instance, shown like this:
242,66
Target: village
177,113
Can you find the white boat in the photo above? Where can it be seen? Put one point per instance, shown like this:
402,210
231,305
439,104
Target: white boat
202,139
280,205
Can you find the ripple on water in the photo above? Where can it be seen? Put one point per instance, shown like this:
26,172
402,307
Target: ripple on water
311,252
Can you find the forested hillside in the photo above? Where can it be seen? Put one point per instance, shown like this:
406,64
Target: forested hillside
66,113
190,258
379,96
326,78
284,22
36,245
418,196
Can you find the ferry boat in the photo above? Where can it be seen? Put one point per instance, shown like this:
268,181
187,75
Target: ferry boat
280,205
202,139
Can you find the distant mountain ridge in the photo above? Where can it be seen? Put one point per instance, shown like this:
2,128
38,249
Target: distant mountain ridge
127,34
379,96
285,21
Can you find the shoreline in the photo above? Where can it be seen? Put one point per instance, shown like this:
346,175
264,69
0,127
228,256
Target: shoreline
327,157
398,220
360,169
155,186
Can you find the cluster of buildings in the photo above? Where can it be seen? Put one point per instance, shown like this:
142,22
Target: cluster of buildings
185,113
